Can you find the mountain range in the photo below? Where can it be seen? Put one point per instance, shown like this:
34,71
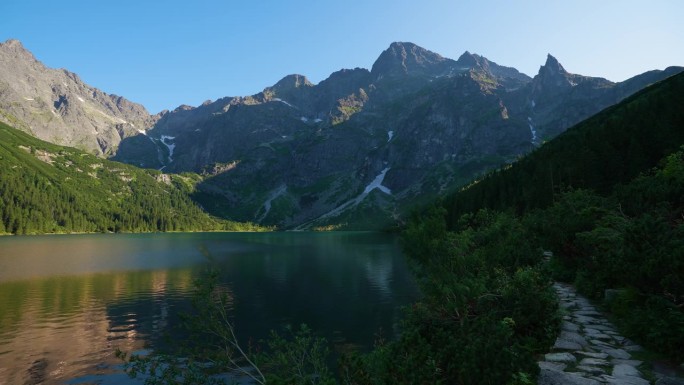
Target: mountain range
356,150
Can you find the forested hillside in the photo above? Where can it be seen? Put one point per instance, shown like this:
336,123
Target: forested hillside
609,148
45,188
607,197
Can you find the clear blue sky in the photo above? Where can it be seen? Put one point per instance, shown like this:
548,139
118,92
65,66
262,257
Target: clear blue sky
166,53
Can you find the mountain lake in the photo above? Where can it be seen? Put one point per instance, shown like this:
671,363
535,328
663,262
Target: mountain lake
67,302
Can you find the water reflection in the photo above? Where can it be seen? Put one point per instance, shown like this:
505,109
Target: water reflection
67,302
56,328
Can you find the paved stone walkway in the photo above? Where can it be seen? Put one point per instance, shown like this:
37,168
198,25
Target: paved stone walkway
589,350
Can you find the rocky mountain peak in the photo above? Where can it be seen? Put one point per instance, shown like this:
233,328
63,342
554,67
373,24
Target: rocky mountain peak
473,61
292,81
467,59
508,76
12,44
552,66
14,48
552,77
289,86
184,107
408,59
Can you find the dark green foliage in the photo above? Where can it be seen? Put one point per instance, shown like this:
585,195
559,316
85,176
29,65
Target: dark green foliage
638,245
611,147
652,319
46,188
632,239
212,355
557,227
424,234
487,308
297,357
592,197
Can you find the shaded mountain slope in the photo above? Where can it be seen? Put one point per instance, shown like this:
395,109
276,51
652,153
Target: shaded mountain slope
612,147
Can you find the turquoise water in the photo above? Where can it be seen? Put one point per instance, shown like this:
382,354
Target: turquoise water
68,301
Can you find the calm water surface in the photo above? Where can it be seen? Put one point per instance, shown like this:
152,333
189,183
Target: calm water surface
68,301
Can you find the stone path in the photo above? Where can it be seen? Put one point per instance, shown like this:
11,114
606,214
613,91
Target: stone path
590,351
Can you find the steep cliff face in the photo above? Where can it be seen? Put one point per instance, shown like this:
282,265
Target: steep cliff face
57,106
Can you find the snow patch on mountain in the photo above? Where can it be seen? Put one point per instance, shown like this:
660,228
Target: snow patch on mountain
374,184
267,204
283,101
167,141
533,131
377,184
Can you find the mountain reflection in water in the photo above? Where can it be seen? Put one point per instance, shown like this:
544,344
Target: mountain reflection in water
67,302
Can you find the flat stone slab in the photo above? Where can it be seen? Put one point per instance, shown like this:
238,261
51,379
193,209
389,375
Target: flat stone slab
633,348
552,365
562,344
588,311
593,370
602,337
622,370
618,353
553,377
602,356
591,349
601,345
594,362
560,357
635,363
585,320
624,380
582,300
570,327
574,337
603,327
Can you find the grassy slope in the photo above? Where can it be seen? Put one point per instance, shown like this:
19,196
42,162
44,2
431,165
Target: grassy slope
45,188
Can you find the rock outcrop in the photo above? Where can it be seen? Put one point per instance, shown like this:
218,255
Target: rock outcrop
57,106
